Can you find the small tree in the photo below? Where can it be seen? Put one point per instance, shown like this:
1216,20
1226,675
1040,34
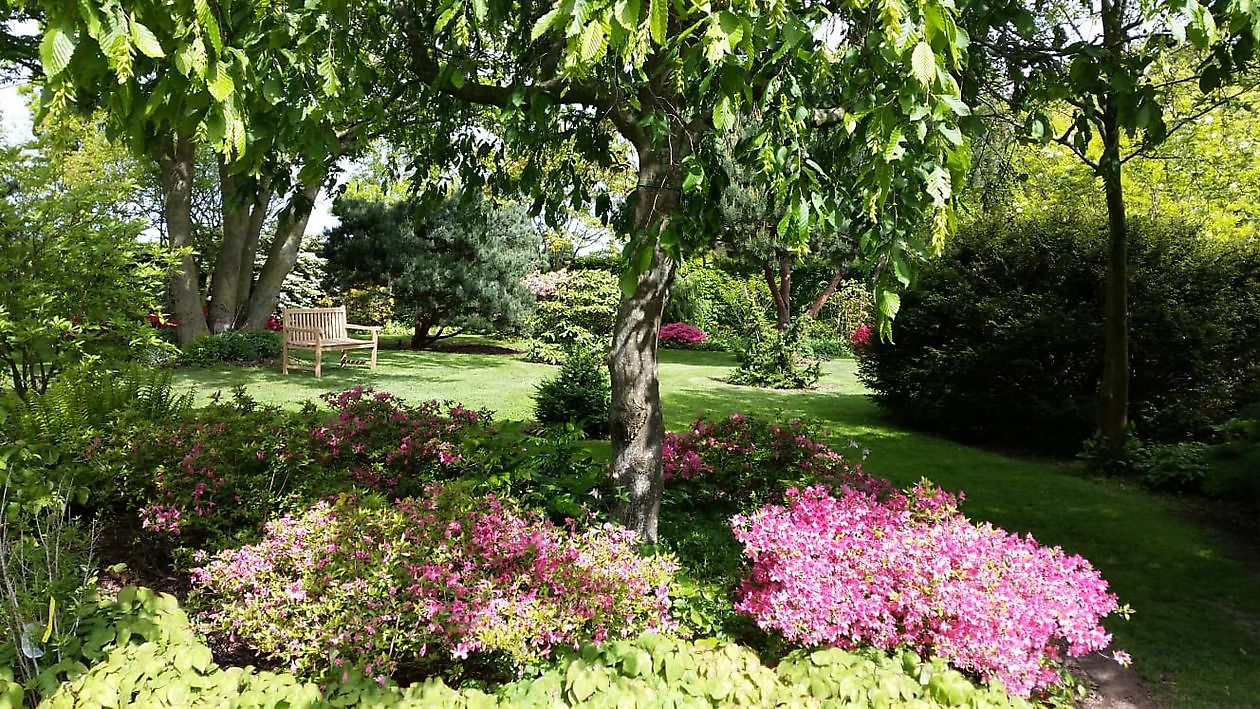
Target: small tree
76,282
460,265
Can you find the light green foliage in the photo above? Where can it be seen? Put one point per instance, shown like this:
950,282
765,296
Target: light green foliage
232,346
156,660
719,302
1204,173
584,305
77,282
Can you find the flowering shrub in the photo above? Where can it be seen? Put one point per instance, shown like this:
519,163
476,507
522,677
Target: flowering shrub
846,567
385,444
740,461
427,581
680,334
860,338
545,285
222,470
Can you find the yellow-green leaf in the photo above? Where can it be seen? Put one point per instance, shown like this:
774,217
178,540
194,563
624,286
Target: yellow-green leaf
145,40
544,24
594,42
219,82
55,50
923,63
658,20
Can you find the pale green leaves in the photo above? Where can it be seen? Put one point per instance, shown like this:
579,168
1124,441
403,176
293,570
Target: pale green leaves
594,41
55,50
219,82
206,17
191,59
145,40
923,63
658,20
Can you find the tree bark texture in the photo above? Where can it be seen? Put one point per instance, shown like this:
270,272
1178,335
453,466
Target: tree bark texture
175,164
637,424
283,254
225,279
257,218
1113,421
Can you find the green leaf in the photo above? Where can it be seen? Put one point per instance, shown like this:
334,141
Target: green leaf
627,14
146,41
889,303
219,82
208,22
923,63
444,19
594,42
55,51
658,20
544,24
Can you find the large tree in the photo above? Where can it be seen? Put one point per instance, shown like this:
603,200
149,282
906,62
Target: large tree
461,264
1105,65
256,83
671,78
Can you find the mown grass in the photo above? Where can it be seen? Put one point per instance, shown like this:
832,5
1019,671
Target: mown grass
1196,632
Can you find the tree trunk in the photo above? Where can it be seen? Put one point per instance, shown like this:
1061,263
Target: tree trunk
637,425
175,166
281,257
225,280
821,301
1113,420
257,218
781,291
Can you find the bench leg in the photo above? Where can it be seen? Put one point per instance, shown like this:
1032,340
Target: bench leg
319,356
284,358
373,362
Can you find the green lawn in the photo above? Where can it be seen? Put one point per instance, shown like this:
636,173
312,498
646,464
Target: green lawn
1196,632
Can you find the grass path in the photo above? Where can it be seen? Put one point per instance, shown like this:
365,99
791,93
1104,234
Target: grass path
1196,632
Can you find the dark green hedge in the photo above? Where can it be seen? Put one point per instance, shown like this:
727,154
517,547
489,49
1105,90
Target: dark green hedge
1001,340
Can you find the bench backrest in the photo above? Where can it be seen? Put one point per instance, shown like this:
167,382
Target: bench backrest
331,323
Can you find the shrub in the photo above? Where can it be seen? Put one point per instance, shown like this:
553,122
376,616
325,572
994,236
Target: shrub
234,347
427,582
1001,342
779,360
576,304
385,444
844,567
719,302
540,352
741,462
220,472
580,394
1174,467
680,334
1234,471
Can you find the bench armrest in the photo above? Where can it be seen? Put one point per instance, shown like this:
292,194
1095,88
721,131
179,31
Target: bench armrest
365,328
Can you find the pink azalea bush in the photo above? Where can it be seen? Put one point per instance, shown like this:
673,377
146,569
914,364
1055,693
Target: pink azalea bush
388,445
846,567
422,583
681,334
745,461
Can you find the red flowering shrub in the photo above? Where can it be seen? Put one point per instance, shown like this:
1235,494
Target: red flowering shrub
848,568
274,324
861,337
424,582
680,334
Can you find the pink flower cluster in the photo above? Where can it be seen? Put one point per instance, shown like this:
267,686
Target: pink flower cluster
160,518
424,582
545,285
744,458
383,442
845,567
860,338
680,333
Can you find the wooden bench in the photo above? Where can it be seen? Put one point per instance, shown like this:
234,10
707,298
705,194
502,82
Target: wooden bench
324,330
